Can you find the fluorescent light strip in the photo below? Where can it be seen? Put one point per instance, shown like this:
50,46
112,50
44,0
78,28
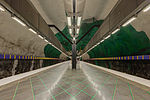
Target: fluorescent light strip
59,50
2,9
40,36
74,38
78,31
30,29
115,31
69,21
98,43
79,21
102,41
52,45
146,8
46,40
107,37
129,21
70,31
19,21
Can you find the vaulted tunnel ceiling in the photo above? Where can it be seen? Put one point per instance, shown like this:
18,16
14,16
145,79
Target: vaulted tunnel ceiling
54,12
94,12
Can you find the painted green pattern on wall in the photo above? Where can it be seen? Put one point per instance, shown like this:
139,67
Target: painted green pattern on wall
51,52
63,41
126,42
84,28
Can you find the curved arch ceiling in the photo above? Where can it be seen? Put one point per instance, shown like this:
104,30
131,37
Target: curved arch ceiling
54,11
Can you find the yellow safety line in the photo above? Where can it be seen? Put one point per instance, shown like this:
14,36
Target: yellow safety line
14,56
9,56
142,57
120,58
132,57
4,56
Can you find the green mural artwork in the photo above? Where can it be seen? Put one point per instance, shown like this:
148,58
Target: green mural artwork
84,28
125,42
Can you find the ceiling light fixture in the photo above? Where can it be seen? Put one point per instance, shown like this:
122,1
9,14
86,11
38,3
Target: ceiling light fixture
30,29
78,31
107,37
129,21
115,31
46,40
70,31
147,8
2,8
69,21
74,38
18,20
79,21
98,43
40,36
102,41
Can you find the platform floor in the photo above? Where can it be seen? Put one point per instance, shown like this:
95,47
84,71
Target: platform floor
62,83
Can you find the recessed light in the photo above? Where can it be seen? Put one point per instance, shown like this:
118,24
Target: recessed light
30,29
129,21
18,20
79,21
147,8
2,8
69,21
115,31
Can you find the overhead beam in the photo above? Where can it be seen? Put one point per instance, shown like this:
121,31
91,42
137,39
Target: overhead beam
123,10
87,33
28,14
61,33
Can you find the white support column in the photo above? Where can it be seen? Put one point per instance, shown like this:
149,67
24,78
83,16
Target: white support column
14,67
41,63
32,65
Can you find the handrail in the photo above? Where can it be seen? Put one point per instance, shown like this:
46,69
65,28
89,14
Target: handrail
87,32
61,33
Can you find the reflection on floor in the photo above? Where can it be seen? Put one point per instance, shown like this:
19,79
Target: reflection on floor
62,83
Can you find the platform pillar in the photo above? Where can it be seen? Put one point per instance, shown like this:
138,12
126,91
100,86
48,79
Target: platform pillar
74,54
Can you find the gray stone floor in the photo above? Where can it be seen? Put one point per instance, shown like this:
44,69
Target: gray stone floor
62,83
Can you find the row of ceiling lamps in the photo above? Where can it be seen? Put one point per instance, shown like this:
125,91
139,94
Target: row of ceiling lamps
22,23
30,29
69,19
147,8
2,9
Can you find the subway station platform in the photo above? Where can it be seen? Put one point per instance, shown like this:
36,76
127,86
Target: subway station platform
63,83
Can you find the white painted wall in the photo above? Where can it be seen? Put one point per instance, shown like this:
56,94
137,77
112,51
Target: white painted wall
16,39
142,23
54,11
85,56
98,9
